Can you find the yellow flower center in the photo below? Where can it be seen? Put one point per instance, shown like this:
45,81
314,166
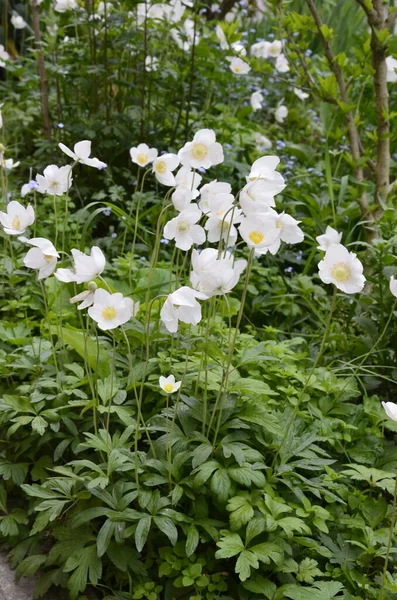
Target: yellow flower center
183,227
340,272
109,313
16,223
168,388
142,159
200,151
48,258
161,167
256,237
237,69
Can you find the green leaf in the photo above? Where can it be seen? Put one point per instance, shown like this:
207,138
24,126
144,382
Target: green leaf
259,585
104,536
39,425
85,346
241,511
86,567
221,485
247,476
230,544
268,551
245,561
30,565
192,539
141,532
168,528
320,591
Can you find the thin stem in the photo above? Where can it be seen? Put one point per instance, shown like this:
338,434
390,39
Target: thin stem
392,525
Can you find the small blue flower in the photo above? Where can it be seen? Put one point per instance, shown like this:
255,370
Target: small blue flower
288,270
308,52
164,241
33,185
107,212
60,125
114,235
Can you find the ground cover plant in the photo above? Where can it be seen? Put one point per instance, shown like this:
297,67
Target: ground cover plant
198,299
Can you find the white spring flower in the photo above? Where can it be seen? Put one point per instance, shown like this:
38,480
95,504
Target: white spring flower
55,181
281,113
342,268
262,142
289,229
86,298
256,197
142,155
282,64
186,35
221,37
8,163
214,275
81,153
111,310
222,218
184,229
391,410
212,189
256,100
260,49
259,233
264,169
239,66
181,305
300,94
18,22
62,6
187,182
203,151
391,65
275,48
163,167
327,239
393,286
43,257
4,56
169,385
85,268
151,63
17,218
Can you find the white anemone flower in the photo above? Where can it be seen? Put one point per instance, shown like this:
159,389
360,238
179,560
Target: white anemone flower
222,218
259,232
264,169
203,151
8,163
331,236
282,64
184,229
281,113
81,153
256,197
62,6
239,66
393,286
212,189
186,36
260,49
111,310
181,305
4,56
17,218
300,94
262,142
391,65
221,38
169,385
151,63
85,269
214,275
256,100
163,167
142,155
275,48
289,229
342,268
187,182
18,22
43,257
86,298
391,410
55,180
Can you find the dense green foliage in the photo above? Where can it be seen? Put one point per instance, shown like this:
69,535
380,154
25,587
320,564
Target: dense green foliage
271,473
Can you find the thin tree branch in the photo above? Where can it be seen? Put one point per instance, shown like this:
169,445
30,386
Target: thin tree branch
391,19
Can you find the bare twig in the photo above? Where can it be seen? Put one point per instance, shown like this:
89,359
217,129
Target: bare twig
42,72
391,19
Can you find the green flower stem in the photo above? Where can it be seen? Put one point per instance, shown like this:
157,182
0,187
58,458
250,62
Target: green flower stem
222,392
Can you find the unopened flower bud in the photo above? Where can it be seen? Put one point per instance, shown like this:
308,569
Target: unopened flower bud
92,286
